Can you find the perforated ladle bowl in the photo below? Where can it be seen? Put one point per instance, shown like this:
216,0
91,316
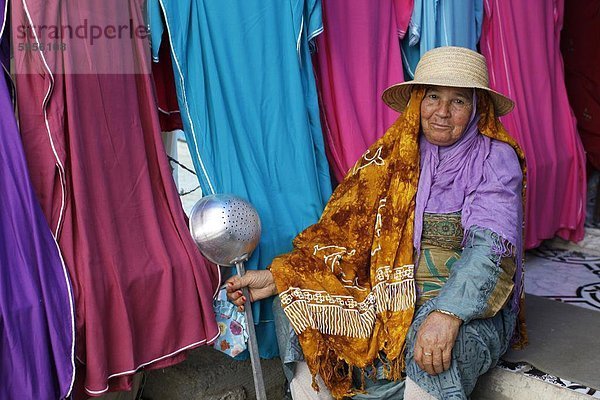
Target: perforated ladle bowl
225,227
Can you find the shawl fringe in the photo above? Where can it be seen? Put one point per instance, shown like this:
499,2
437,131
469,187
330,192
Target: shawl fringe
342,315
500,247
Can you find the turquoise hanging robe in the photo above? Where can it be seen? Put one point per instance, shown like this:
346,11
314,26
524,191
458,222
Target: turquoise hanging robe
249,106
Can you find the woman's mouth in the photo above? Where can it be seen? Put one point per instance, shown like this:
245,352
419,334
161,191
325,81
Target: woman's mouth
439,126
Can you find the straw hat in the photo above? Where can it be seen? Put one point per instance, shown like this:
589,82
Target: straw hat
448,66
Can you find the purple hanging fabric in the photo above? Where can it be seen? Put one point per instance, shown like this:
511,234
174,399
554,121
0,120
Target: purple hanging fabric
36,309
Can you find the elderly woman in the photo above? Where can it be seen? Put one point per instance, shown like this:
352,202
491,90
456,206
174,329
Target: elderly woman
411,280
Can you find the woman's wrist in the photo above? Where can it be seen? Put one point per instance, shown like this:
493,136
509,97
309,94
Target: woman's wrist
274,291
272,285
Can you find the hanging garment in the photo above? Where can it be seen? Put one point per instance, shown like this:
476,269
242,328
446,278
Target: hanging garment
350,90
37,325
520,41
436,23
88,118
250,112
582,75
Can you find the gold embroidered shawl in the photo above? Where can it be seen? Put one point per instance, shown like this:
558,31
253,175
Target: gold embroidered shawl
348,286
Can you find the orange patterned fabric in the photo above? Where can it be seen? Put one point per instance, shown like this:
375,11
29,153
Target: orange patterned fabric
348,286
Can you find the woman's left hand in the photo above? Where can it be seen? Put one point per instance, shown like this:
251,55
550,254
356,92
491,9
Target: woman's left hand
435,340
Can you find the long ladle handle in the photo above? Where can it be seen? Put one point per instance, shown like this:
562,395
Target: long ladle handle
259,384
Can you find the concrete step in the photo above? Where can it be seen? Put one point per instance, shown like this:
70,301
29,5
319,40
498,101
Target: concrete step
500,384
210,375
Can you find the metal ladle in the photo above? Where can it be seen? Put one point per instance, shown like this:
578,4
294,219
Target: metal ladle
226,229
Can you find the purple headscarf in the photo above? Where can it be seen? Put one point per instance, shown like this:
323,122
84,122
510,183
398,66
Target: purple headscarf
479,177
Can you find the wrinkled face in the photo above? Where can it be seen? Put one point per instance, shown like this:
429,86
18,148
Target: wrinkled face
445,113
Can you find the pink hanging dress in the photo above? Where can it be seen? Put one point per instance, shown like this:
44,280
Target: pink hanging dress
520,40
358,56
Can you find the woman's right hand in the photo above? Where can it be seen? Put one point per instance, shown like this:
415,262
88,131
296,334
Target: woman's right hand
260,284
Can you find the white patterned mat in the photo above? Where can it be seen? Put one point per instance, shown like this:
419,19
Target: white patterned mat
564,275
568,276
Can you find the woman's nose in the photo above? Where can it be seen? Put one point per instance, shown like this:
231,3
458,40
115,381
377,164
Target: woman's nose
444,109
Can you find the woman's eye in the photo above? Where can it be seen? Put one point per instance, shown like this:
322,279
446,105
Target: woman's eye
433,96
459,101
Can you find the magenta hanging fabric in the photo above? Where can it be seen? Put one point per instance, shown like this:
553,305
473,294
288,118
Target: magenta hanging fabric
92,139
358,56
520,41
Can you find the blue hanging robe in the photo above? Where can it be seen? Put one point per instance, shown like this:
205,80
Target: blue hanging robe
437,23
249,107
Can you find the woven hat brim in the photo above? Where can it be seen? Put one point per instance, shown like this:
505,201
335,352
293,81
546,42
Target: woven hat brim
397,96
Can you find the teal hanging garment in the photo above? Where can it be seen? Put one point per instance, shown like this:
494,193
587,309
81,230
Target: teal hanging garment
436,23
249,106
